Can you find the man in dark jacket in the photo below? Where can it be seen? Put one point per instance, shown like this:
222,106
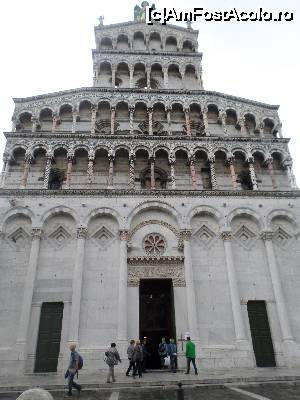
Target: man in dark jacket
130,350
72,369
172,352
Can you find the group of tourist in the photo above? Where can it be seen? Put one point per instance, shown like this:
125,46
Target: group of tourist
138,354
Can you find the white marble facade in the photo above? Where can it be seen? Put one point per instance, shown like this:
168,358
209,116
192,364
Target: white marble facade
226,240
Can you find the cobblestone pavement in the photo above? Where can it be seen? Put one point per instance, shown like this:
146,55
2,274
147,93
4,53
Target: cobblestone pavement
269,391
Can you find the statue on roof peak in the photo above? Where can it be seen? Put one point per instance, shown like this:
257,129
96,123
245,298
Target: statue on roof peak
140,11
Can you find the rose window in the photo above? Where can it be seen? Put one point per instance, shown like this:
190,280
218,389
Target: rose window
154,244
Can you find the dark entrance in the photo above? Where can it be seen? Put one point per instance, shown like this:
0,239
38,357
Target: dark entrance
157,319
261,334
49,337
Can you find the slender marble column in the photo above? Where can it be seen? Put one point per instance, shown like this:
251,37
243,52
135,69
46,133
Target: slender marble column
271,172
75,115
166,78
24,321
110,180
243,126
5,170
222,114
90,168
190,289
252,173
47,171
93,120
131,77
232,173
112,120
172,174
152,172
113,77
28,160
277,287
131,112
77,285
205,121
213,177
150,114
168,111
122,309
69,171
187,122
34,124
132,173
239,327
193,174
288,165
148,72
54,122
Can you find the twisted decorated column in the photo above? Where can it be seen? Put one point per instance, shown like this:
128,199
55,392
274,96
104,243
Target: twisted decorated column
47,171
113,76
252,173
131,113
190,288
213,176
74,121
267,237
148,73
29,283
122,308
132,171
166,78
93,119
172,160
222,115
28,161
90,167
77,285
131,76
235,299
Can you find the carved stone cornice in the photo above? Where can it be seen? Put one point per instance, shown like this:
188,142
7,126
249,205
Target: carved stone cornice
112,193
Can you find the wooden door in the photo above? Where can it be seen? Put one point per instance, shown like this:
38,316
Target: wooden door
261,334
48,345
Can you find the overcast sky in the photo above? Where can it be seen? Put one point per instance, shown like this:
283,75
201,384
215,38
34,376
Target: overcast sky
46,47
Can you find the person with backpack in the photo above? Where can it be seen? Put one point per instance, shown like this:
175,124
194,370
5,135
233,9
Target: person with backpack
163,352
76,363
112,359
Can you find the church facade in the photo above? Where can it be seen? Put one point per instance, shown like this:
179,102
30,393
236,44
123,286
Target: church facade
146,206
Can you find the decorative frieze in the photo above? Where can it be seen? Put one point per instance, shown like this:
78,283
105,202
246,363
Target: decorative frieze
161,271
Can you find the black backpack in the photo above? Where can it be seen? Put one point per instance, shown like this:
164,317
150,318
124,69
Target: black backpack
80,361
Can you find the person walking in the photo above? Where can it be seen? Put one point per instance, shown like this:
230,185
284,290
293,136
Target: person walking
137,358
112,359
163,352
130,350
190,353
73,369
172,352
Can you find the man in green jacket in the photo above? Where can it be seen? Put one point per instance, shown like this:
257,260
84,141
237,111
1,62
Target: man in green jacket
190,353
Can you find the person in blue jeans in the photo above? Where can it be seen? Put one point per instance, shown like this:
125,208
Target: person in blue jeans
172,352
163,352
